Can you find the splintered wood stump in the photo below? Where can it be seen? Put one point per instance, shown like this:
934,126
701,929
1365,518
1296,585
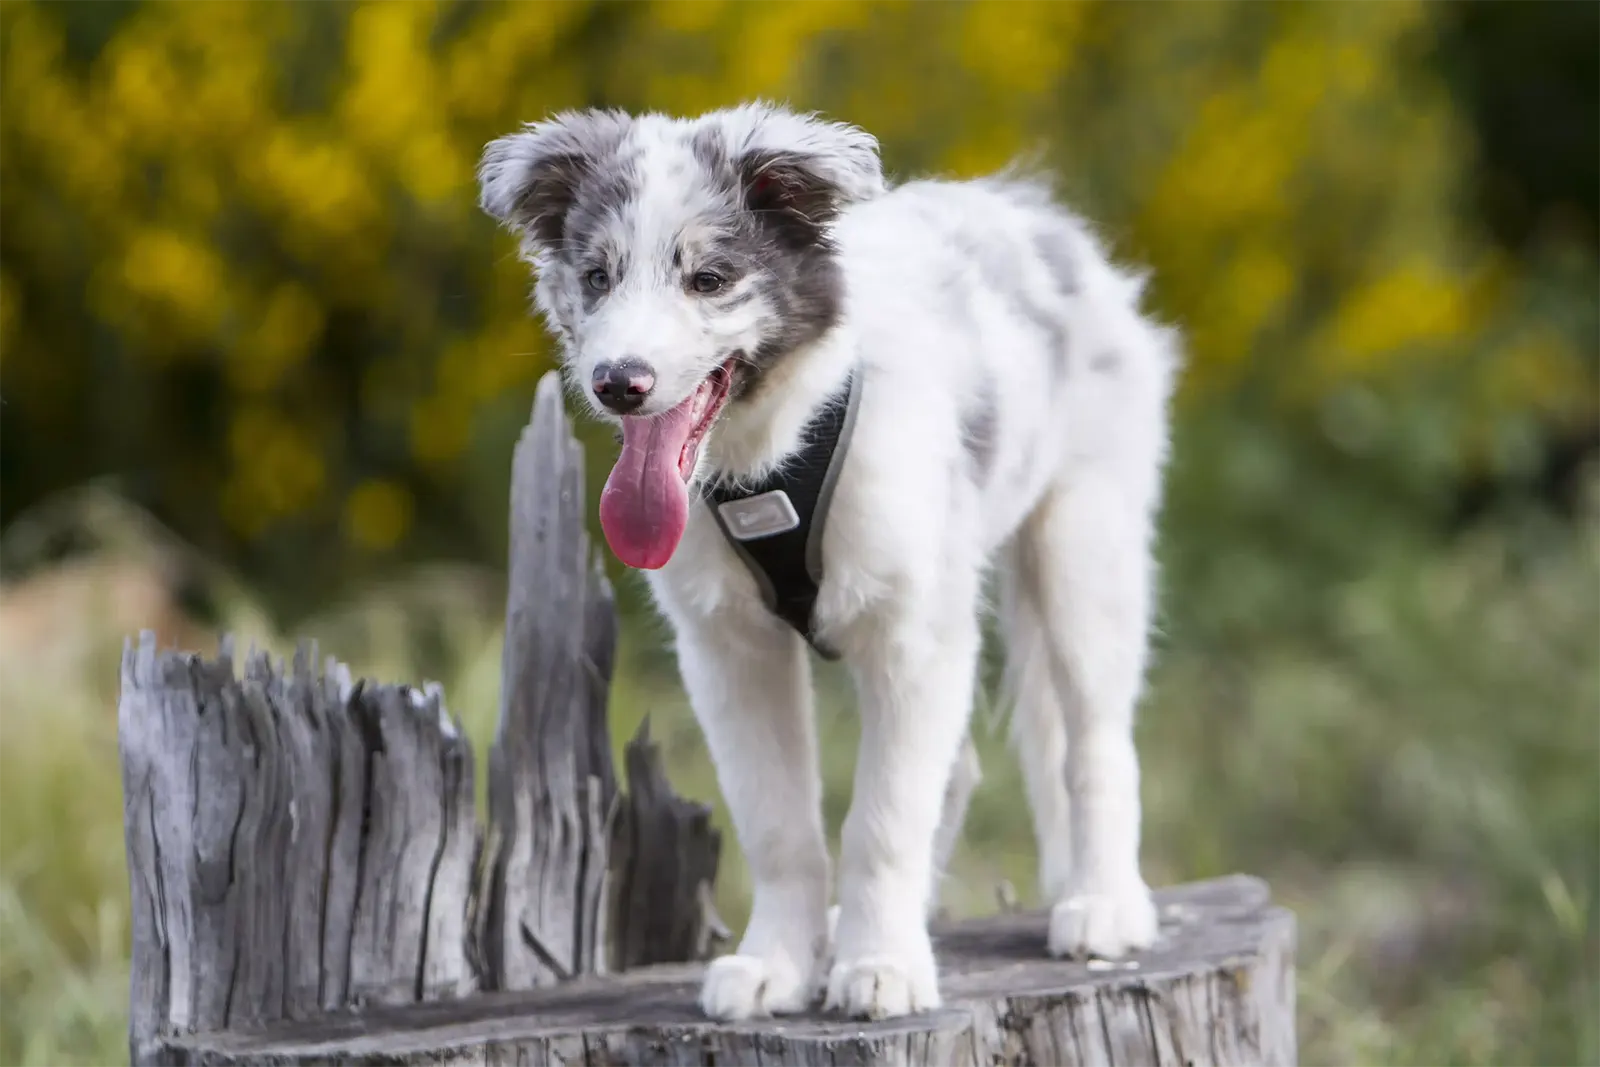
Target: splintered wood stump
299,842
311,884
1218,988
296,843
552,787
662,905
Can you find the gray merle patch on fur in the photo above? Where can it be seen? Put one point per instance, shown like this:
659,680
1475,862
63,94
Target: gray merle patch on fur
1004,275
1107,362
806,289
605,191
1052,327
1053,248
774,233
533,180
980,427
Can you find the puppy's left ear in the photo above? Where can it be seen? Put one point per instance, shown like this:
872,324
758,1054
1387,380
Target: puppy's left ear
801,168
529,180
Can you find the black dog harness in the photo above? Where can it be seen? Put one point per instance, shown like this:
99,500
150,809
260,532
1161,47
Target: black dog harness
776,524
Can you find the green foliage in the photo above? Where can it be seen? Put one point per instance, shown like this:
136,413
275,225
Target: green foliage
243,270
243,278
1415,777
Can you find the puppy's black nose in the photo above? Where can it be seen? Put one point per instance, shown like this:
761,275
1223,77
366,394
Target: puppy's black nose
623,385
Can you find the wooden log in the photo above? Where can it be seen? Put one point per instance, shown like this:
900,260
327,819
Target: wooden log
295,843
552,786
568,854
1218,988
298,842
300,845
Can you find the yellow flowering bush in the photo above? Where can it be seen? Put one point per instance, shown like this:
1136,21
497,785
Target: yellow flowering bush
243,266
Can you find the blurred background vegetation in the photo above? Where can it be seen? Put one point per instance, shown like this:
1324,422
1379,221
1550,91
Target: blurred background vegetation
262,362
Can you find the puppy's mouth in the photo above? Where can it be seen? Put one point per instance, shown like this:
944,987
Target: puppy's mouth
644,507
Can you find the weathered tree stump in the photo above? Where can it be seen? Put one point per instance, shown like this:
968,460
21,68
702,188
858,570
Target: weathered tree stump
298,842
552,787
311,883
295,843
662,908
1218,988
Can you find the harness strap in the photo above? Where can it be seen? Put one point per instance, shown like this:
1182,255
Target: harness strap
776,524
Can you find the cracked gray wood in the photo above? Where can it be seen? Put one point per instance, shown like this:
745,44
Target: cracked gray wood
300,845
1217,988
298,842
552,786
666,853
294,843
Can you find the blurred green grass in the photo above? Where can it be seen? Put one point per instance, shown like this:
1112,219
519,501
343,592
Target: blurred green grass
1416,777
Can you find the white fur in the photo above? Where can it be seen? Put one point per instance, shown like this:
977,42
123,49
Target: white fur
1066,514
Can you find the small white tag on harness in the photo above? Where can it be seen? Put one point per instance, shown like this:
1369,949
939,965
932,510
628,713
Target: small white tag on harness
759,516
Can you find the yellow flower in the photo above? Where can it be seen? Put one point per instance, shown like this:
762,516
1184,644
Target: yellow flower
689,16
439,430
277,470
290,325
180,275
1019,48
377,514
1415,303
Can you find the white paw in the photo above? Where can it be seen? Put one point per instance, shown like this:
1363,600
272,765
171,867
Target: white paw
748,987
878,987
1103,925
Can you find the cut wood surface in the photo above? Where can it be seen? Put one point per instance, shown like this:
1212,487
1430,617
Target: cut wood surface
1218,988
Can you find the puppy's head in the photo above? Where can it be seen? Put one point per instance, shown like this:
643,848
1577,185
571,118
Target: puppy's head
675,254
677,261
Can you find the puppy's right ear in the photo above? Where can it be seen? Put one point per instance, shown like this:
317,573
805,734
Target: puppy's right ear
529,180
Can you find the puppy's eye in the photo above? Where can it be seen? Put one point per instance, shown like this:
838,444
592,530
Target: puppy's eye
598,280
706,282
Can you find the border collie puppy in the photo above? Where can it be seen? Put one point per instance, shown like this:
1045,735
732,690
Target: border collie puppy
717,284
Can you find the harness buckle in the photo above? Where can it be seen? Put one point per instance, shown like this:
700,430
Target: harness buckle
754,517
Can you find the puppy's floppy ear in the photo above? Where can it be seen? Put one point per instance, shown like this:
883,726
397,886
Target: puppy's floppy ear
529,180
801,168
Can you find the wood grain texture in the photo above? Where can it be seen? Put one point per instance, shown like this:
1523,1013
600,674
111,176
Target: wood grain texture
1218,988
310,882
294,843
664,863
301,842
552,786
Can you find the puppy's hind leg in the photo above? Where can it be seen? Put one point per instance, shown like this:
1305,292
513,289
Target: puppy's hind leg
1038,722
750,686
1085,557
964,778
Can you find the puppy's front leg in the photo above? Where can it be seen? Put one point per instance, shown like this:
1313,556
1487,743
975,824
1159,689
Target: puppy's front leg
916,696
750,685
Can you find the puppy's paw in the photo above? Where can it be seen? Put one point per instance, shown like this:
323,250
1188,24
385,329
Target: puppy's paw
749,987
881,987
1104,925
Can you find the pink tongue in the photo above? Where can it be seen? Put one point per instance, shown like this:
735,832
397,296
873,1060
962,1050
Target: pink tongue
645,504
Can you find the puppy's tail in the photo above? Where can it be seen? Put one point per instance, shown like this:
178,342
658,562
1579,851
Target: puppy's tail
1038,724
